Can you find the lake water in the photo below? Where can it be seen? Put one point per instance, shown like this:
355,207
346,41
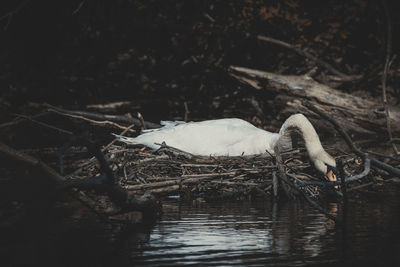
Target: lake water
225,233
279,234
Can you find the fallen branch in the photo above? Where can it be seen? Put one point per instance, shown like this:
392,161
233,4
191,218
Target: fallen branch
324,184
20,120
349,142
46,125
335,124
356,114
184,179
27,159
385,72
115,191
101,118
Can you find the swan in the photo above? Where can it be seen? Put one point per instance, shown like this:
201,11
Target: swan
235,137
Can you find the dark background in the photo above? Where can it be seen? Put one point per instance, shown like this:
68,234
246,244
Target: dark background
157,55
160,54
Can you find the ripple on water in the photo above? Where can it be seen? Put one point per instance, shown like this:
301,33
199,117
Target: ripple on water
246,233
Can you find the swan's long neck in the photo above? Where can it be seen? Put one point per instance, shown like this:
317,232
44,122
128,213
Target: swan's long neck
299,121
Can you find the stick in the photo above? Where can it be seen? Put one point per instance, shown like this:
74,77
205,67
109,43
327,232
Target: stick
46,125
343,77
86,119
275,183
101,117
15,154
187,112
115,140
367,168
18,121
282,174
183,180
175,151
385,72
153,185
143,124
343,186
309,200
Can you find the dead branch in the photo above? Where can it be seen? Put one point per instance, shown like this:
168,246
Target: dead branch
20,120
297,188
285,183
109,106
356,114
182,180
324,184
385,72
142,123
349,142
340,130
187,112
115,191
46,125
166,148
365,172
27,159
173,181
343,77
101,118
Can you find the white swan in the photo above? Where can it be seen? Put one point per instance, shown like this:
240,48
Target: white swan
235,137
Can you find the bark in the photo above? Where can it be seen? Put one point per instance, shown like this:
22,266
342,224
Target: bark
357,115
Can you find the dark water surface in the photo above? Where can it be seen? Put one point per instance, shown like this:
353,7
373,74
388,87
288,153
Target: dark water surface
249,233
222,234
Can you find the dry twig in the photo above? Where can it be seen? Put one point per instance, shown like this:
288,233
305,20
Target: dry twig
101,118
385,73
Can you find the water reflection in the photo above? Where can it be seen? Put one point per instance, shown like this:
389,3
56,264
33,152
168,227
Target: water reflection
246,233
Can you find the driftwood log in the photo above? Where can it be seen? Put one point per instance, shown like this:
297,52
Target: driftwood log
357,115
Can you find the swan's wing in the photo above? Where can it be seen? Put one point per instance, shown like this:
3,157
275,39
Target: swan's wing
214,137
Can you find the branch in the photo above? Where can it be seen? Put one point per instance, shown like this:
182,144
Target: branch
101,117
336,125
116,193
297,188
19,120
27,159
385,72
352,178
166,148
46,125
349,142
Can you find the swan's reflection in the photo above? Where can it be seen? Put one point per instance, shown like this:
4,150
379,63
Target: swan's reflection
238,231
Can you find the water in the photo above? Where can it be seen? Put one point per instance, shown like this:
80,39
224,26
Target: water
247,233
226,233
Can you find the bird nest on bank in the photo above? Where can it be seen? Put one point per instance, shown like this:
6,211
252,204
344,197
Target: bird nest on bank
168,172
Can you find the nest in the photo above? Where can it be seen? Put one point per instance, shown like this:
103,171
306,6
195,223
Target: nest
168,172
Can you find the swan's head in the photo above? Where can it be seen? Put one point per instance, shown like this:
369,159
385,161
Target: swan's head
326,164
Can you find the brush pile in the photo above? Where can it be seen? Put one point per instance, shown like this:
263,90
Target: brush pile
171,173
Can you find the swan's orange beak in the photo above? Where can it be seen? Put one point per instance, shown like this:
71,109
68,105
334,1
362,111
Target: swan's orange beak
331,176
